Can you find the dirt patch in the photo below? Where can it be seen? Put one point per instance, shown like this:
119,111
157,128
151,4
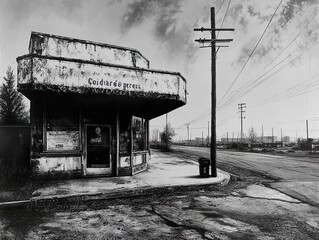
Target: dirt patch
18,191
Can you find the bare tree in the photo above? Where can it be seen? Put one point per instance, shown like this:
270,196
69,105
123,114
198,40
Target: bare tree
252,137
167,135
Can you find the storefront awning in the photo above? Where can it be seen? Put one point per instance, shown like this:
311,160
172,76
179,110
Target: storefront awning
51,71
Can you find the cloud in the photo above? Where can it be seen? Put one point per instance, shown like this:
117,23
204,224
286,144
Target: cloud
136,13
290,19
15,11
292,8
163,15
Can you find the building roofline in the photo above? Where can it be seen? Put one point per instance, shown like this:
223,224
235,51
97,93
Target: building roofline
100,63
88,41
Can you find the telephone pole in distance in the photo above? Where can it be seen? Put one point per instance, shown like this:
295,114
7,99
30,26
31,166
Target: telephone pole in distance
241,107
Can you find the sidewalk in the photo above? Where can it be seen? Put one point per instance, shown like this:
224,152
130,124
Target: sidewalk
166,172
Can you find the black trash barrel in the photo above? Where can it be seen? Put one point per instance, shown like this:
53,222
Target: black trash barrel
204,167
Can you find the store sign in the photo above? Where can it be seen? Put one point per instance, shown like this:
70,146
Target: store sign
74,75
63,140
113,84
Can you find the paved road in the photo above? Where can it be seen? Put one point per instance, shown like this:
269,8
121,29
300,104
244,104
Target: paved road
299,176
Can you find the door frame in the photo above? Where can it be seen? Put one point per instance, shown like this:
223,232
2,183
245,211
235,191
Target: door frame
97,171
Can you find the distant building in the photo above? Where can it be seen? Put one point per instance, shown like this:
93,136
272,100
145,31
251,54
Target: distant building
155,135
266,139
286,140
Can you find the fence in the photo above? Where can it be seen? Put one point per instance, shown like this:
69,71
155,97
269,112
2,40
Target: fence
14,153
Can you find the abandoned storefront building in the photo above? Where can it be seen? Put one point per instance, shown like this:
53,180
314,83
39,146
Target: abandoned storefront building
90,106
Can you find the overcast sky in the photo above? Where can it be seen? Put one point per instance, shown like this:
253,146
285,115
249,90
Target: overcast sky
279,83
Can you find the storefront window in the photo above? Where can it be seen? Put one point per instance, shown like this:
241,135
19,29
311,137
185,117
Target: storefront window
139,134
62,128
125,136
124,143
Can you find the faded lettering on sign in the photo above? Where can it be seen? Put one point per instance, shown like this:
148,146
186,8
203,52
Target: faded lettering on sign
115,84
63,140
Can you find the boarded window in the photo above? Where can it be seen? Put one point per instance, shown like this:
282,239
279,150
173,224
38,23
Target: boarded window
62,128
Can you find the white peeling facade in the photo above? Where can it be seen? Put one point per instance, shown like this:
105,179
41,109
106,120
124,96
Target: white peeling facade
90,106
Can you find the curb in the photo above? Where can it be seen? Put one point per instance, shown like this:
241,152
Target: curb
14,204
35,202
143,191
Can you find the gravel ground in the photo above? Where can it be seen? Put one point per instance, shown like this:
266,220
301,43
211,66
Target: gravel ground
244,209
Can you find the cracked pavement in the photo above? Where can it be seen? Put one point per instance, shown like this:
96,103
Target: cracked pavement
231,213
244,209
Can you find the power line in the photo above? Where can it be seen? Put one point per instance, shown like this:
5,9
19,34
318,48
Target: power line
286,47
295,86
251,87
224,16
292,92
252,52
220,7
223,20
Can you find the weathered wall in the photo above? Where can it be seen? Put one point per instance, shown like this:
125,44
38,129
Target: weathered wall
42,164
36,122
56,167
69,76
140,162
63,47
14,153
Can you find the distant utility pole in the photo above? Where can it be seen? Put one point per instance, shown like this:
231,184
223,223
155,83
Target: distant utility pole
232,138
281,137
241,107
307,134
208,135
272,137
212,44
262,134
187,133
227,137
202,138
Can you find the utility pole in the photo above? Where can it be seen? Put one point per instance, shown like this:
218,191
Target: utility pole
187,133
208,135
281,137
272,137
202,138
212,45
262,134
232,140
227,137
241,107
307,134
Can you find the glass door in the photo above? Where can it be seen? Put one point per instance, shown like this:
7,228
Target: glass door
98,150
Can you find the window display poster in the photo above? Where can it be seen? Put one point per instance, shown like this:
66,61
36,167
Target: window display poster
63,140
98,135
